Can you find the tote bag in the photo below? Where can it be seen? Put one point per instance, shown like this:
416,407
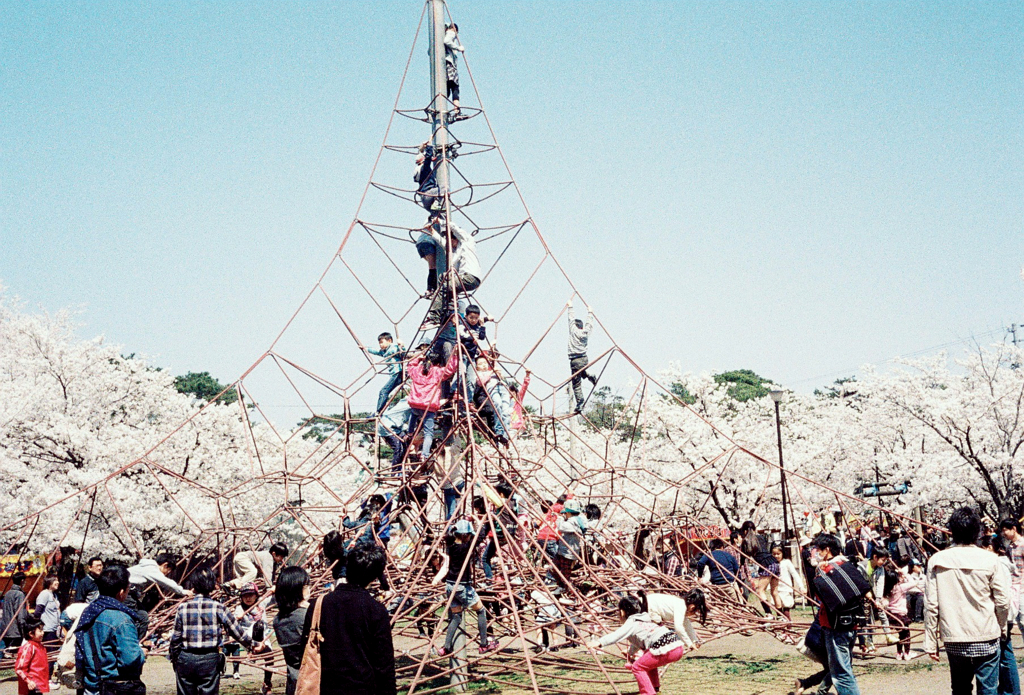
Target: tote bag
308,682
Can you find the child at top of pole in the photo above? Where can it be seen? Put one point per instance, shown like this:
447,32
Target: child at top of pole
451,45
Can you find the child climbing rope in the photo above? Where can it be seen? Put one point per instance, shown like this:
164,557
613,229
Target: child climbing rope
393,353
473,337
465,267
428,194
426,378
498,396
460,546
650,645
579,333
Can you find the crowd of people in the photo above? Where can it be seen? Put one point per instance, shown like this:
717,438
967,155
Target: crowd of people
860,580
860,583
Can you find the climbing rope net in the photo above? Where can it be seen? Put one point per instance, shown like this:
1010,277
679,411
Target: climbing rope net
658,486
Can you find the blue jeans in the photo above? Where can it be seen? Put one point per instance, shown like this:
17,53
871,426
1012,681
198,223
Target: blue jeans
451,499
500,402
839,646
394,381
428,428
963,670
489,553
1009,680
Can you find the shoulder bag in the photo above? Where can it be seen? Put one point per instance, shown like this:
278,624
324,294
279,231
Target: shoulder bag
308,682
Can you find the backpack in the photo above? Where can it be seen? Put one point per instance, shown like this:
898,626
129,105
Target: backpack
842,588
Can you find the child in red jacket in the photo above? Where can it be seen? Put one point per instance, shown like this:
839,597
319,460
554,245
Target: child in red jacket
425,380
31,666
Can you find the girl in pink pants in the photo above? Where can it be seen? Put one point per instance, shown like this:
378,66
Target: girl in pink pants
650,645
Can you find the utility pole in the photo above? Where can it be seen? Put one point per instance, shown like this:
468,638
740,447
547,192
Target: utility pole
1013,332
776,395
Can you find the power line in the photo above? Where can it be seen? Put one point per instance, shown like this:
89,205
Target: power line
916,353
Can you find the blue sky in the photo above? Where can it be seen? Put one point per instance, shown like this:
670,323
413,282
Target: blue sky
796,188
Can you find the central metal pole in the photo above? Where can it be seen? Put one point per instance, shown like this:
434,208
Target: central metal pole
782,474
439,91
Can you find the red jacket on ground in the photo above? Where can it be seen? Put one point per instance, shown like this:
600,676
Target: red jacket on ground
31,664
425,391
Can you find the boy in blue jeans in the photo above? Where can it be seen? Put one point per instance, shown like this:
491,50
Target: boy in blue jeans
392,353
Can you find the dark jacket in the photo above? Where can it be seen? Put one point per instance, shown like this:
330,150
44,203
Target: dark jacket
288,628
14,613
357,655
723,565
87,591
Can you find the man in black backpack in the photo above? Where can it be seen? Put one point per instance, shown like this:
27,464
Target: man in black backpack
841,588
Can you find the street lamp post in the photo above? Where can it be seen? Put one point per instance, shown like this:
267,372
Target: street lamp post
776,395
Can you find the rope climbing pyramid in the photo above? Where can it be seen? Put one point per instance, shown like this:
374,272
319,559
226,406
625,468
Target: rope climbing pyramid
454,388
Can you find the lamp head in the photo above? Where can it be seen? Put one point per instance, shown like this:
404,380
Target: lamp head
777,395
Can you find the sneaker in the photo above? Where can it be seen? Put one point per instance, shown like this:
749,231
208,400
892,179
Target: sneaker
266,689
489,647
54,685
236,676
441,651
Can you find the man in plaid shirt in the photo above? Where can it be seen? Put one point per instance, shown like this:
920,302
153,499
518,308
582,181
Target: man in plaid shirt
1011,532
198,634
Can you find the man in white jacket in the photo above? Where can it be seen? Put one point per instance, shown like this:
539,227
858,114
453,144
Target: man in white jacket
157,571
967,604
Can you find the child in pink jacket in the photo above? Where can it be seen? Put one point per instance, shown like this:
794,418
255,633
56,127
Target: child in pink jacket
426,379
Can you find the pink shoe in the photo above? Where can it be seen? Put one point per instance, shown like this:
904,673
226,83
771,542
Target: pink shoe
441,651
491,646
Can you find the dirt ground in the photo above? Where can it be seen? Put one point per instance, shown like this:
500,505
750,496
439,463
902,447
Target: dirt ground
734,665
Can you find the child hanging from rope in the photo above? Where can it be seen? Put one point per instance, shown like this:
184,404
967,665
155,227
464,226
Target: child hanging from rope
393,353
650,645
460,546
426,378
579,333
451,45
